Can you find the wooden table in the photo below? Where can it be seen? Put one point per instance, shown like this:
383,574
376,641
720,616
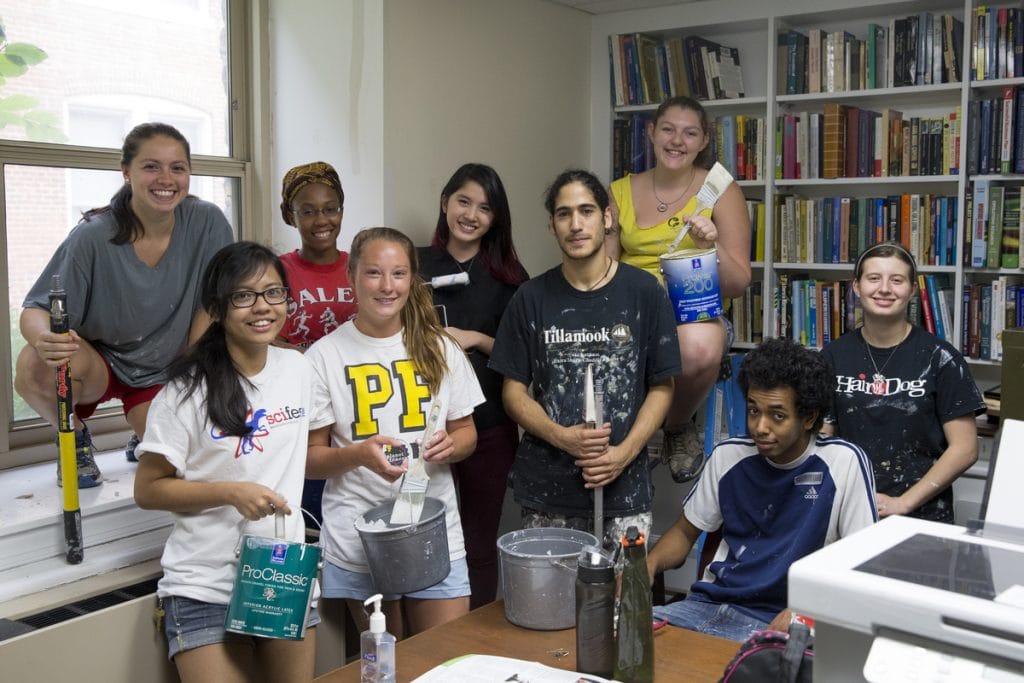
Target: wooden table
679,655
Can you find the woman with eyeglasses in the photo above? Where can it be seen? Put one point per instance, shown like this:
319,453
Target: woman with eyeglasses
385,371
224,450
474,237
130,271
313,202
904,396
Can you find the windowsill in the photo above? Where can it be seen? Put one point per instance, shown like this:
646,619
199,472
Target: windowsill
116,534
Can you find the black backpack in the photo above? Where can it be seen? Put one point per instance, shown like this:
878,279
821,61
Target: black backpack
770,656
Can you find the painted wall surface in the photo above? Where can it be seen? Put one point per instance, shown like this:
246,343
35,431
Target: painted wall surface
326,73
491,81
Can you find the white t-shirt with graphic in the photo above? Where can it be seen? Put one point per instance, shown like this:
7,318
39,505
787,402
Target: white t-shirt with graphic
286,401
376,389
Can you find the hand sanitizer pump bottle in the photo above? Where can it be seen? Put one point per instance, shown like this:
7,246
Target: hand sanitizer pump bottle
376,648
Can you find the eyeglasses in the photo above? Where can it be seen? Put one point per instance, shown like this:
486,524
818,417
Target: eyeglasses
246,298
329,212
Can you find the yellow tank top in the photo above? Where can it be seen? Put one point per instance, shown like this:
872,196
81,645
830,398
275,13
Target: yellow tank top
641,247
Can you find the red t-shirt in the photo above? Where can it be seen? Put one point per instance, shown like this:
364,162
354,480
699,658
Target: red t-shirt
320,298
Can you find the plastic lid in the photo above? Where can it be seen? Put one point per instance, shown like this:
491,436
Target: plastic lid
377,617
632,537
594,566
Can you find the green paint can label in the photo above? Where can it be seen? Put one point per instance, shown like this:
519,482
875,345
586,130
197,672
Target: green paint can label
272,588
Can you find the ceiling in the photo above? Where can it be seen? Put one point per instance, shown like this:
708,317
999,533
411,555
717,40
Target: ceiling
607,6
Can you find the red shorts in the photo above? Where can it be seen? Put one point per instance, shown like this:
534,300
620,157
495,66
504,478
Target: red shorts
130,396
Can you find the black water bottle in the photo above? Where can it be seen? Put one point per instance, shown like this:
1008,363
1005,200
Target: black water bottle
595,613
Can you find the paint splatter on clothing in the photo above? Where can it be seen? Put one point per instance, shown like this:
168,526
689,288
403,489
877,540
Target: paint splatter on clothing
898,419
549,334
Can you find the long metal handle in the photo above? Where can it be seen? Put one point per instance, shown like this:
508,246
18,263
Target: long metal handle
59,324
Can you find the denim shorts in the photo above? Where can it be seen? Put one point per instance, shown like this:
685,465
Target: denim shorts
341,583
713,618
189,624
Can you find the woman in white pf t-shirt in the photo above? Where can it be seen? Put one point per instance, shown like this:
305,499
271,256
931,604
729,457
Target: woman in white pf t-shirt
384,370
224,449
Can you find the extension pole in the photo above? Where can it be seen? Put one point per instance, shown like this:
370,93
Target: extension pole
66,430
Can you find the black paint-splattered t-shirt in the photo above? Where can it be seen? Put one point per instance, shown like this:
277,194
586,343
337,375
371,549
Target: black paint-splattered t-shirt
898,422
548,336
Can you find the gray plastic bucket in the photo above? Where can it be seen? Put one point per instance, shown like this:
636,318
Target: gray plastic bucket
410,557
538,576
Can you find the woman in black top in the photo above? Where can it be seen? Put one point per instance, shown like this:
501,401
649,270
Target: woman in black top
474,236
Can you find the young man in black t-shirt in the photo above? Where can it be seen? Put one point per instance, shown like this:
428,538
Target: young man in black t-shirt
590,310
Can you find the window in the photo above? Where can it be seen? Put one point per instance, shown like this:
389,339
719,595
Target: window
77,76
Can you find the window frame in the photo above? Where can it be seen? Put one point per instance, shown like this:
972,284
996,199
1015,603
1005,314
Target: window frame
32,441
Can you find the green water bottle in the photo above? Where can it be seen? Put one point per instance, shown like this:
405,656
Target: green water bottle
634,660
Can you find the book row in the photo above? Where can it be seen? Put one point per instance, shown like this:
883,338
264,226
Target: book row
837,229
988,309
994,216
738,142
815,312
995,133
921,49
997,41
648,70
851,142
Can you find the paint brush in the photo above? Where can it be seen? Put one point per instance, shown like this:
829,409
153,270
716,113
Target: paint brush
593,409
707,196
408,507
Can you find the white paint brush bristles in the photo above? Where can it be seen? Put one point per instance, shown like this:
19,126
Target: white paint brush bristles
707,196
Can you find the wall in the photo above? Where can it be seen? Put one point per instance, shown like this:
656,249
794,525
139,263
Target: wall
503,83
326,88
396,122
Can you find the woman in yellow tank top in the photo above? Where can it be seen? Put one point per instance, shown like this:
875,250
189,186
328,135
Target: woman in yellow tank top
648,210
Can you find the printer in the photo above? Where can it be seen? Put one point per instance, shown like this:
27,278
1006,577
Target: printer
914,600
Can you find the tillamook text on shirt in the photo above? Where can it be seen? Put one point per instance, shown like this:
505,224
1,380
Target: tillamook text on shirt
559,336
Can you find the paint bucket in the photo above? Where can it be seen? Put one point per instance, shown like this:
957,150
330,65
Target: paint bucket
409,557
538,576
272,586
691,276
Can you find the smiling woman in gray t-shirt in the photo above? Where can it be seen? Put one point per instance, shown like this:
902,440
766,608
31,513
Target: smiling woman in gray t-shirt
131,271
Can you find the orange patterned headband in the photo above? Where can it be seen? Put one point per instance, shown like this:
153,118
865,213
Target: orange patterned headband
301,176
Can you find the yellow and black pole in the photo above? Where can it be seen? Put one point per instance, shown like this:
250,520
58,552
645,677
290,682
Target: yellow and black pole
66,430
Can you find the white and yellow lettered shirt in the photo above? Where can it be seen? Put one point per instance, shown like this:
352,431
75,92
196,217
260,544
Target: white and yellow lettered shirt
376,389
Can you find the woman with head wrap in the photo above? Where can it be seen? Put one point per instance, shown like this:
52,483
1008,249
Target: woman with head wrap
320,296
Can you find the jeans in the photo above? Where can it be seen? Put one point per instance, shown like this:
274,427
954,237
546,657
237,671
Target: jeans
189,624
713,618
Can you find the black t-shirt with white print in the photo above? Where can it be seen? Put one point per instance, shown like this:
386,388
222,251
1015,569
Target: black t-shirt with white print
898,422
548,336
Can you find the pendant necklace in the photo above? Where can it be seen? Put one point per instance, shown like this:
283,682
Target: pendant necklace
468,267
662,206
601,279
878,380
596,282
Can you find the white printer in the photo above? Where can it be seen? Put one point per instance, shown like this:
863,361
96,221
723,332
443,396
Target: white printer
912,600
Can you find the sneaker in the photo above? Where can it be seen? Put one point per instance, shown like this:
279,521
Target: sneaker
682,450
88,473
129,450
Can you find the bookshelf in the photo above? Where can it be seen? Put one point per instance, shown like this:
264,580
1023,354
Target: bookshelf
943,192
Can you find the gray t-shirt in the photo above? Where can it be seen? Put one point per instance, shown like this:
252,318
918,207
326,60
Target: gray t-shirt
137,316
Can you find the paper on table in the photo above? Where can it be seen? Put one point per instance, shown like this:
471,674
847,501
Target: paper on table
489,668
